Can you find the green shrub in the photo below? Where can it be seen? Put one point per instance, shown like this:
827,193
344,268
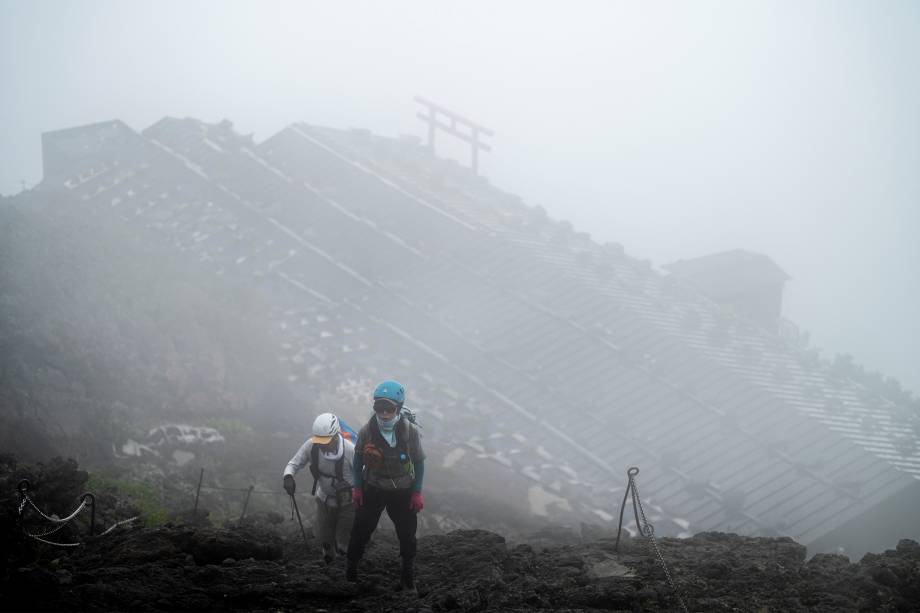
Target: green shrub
138,494
229,426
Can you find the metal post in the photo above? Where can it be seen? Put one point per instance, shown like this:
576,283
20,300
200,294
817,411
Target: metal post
246,504
23,487
632,472
622,508
197,494
475,150
92,512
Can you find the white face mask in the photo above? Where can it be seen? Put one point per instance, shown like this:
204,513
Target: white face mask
387,424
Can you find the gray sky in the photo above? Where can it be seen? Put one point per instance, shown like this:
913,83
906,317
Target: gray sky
676,128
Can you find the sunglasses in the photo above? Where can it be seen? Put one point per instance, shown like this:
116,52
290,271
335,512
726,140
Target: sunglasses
385,405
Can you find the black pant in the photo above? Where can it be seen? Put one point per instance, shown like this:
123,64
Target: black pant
396,502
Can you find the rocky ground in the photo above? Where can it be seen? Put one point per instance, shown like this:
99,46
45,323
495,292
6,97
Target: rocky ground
268,567
266,564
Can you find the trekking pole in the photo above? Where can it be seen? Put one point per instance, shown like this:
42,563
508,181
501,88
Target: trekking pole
299,521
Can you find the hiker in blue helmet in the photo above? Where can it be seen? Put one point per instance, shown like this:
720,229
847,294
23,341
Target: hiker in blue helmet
391,390
388,470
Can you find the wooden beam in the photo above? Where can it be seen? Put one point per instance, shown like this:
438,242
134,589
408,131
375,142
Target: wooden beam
473,140
453,115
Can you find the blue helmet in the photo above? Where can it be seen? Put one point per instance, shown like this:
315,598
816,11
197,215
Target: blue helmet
391,390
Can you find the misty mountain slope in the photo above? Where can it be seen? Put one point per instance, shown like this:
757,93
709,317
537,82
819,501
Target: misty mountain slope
702,366
536,354
444,385
105,332
321,354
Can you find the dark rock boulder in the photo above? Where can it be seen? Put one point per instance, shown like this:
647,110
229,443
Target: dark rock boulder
204,545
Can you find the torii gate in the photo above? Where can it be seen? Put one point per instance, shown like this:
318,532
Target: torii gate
470,134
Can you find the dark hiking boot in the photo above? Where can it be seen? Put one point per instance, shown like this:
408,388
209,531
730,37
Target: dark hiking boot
351,570
407,578
327,554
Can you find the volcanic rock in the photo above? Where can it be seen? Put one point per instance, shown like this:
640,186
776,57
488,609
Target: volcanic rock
255,568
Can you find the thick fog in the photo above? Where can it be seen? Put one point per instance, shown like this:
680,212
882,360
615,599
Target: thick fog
678,129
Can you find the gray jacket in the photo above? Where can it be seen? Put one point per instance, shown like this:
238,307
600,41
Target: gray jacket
326,485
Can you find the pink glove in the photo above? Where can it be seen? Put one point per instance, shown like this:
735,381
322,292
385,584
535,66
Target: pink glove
416,502
357,496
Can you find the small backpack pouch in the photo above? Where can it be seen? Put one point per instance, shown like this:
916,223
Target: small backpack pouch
343,493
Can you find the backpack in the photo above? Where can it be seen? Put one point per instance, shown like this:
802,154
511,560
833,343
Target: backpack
410,415
314,468
347,431
389,465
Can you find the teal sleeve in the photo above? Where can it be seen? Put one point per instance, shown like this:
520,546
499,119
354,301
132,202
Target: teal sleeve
419,475
357,468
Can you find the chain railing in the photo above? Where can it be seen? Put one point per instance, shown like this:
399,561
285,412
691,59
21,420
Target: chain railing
646,529
119,523
87,500
249,491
